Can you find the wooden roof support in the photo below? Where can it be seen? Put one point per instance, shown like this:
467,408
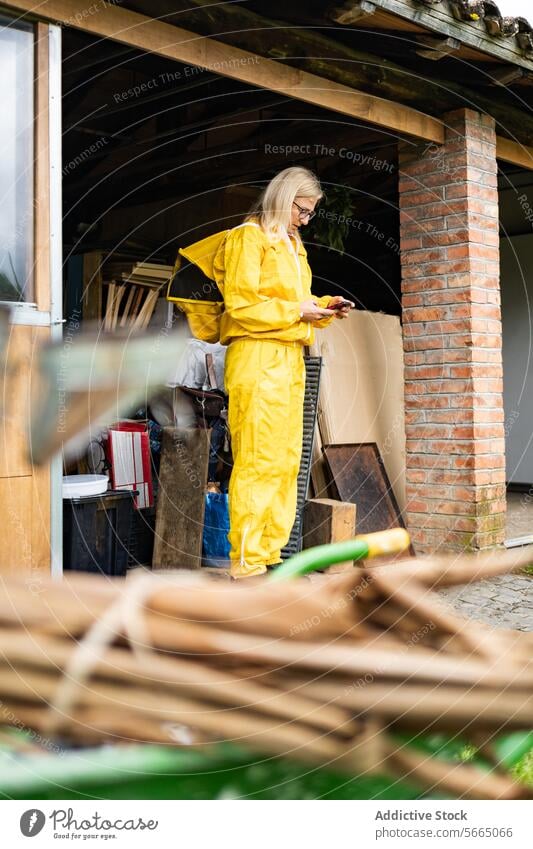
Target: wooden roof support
507,75
181,45
326,56
175,43
351,12
434,47
515,153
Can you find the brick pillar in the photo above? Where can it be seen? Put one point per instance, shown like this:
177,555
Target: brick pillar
452,337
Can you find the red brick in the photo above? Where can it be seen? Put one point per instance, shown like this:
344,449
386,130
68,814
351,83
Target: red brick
427,284
423,314
458,251
423,372
484,252
452,417
420,197
453,477
422,343
457,190
415,476
486,311
412,226
429,431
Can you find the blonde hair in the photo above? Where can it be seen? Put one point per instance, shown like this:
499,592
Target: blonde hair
274,206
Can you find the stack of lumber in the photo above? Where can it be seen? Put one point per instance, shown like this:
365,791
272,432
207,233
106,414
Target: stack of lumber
323,672
132,298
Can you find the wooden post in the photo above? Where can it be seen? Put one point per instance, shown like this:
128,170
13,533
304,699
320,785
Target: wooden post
181,499
327,521
92,286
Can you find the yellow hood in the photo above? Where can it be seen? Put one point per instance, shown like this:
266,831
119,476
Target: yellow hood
203,253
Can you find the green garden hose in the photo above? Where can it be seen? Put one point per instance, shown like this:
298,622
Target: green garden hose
359,548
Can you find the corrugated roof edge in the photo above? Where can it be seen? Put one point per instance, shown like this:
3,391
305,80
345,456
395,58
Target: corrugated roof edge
497,25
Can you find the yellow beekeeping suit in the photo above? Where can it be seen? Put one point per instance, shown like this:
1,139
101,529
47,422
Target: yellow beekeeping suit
263,283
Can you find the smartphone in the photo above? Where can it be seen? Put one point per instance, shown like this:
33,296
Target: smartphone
341,305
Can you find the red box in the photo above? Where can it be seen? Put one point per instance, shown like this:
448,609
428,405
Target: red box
128,450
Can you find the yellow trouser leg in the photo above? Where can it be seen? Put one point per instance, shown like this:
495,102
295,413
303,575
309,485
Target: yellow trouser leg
283,508
264,380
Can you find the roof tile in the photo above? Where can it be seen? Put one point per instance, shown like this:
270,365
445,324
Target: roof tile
498,25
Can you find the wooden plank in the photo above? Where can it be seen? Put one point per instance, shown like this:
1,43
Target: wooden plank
370,407
92,286
327,521
136,304
16,385
150,309
514,152
41,225
24,488
352,11
175,43
143,319
181,499
109,307
126,312
15,547
118,298
358,475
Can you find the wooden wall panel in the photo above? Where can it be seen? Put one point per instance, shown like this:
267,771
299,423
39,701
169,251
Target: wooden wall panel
24,489
14,460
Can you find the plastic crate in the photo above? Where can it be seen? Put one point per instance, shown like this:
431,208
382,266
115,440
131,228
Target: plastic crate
141,544
96,532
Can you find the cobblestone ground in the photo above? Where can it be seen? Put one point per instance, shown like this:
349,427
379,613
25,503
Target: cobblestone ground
503,602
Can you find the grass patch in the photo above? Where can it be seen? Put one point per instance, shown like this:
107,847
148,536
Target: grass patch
523,771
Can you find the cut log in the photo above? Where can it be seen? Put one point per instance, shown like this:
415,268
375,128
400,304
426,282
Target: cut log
181,499
327,521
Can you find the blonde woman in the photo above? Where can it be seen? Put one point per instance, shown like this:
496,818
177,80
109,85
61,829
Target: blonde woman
269,315
261,269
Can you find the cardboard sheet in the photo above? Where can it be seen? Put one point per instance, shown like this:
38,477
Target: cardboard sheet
362,392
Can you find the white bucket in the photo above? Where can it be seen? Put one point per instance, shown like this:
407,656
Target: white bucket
79,486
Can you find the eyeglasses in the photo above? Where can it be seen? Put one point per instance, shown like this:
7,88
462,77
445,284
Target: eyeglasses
303,212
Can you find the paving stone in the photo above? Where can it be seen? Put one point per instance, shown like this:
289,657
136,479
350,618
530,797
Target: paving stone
502,602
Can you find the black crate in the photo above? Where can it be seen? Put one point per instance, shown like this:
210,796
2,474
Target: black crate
141,546
96,532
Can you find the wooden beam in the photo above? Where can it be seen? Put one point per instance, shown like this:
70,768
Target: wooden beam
514,152
436,48
181,502
328,57
181,45
507,74
351,11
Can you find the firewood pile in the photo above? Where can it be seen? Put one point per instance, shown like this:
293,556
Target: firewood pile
324,671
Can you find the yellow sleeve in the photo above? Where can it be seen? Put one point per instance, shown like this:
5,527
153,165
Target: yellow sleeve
323,303
242,272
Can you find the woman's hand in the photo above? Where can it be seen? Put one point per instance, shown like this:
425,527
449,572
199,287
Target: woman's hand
344,311
310,311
